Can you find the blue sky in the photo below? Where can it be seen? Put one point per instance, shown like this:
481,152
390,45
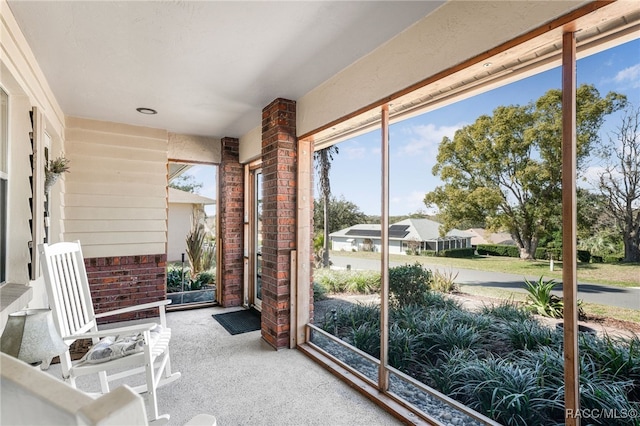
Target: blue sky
355,172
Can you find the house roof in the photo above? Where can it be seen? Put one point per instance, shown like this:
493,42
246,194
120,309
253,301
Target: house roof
183,197
406,230
482,236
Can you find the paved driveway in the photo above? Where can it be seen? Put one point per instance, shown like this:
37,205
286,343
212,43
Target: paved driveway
624,297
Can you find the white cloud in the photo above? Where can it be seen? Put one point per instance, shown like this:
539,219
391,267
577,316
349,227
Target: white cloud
424,139
629,77
408,203
591,177
354,152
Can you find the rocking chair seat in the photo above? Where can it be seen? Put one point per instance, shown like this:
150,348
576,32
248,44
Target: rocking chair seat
118,346
123,351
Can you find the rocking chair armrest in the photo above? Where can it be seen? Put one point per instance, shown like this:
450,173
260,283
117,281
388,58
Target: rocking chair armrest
113,331
159,304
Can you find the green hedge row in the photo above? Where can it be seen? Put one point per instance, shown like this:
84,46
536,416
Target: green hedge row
498,250
541,252
460,252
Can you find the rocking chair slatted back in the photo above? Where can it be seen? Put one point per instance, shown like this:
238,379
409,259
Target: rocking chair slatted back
69,299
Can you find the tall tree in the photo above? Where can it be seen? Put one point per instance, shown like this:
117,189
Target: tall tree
323,159
341,214
186,183
505,169
620,181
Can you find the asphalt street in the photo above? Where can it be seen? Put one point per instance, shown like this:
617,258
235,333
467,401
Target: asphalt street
624,297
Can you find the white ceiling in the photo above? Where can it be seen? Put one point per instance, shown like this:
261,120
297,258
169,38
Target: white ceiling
207,67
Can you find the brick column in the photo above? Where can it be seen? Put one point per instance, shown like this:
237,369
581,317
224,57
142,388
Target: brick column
278,218
231,238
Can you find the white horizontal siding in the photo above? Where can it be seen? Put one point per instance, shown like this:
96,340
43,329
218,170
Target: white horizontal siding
116,238
133,249
107,200
115,194
112,225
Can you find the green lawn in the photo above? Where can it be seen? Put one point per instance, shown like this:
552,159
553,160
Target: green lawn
622,275
593,309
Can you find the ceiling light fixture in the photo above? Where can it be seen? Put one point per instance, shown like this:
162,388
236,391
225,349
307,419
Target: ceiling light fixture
148,111
487,64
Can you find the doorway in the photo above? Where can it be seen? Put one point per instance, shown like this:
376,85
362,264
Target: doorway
192,234
255,239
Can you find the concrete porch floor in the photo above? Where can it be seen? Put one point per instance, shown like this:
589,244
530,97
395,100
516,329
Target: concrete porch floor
241,380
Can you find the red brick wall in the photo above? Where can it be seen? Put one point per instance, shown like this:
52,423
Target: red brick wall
279,149
231,195
121,281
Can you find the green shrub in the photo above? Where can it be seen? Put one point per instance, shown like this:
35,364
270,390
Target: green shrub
499,361
458,253
529,334
402,343
353,317
498,250
612,258
366,338
584,256
548,252
319,292
508,393
428,253
408,284
507,310
174,280
435,300
615,358
207,277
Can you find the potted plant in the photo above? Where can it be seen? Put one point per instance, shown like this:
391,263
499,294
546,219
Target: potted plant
52,171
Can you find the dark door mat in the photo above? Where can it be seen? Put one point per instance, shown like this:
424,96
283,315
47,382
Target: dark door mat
239,322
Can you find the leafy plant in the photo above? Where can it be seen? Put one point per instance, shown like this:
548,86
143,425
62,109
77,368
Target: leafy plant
366,337
529,334
408,284
335,281
174,280
506,310
541,301
444,282
57,166
208,255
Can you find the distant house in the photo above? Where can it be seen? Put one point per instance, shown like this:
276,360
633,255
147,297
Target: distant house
407,235
182,206
482,236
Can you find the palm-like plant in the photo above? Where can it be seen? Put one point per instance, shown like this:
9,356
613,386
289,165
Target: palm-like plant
323,159
195,245
541,301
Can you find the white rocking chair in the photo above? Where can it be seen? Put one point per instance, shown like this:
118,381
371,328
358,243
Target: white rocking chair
70,301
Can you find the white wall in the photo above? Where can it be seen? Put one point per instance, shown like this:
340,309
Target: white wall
24,82
179,227
116,191
251,145
190,148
